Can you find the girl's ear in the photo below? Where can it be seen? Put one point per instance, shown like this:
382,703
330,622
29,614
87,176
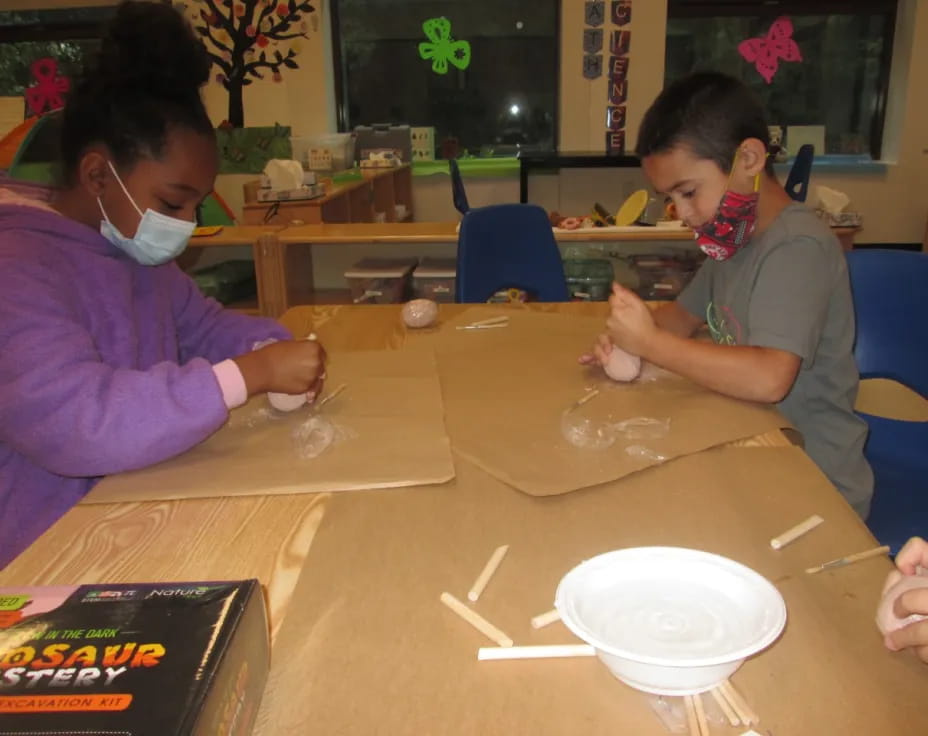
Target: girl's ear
752,156
92,172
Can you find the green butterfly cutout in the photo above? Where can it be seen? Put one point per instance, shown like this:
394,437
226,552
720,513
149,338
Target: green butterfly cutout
443,48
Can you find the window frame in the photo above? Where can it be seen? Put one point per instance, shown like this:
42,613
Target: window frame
774,8
340,81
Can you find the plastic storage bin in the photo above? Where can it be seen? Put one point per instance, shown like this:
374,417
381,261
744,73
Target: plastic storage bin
663,276
589,279
434,279
330,152
380,280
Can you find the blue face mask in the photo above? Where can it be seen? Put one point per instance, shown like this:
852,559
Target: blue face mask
158,238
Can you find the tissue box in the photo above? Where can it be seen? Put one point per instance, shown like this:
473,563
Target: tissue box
135,660
840,219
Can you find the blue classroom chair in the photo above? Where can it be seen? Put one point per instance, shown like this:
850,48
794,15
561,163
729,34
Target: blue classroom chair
508,246
890,290
797,181
458,195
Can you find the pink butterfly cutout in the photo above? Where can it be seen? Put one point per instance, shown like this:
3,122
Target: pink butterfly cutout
765,53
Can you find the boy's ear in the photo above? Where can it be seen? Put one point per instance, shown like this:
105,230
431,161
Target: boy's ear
752,155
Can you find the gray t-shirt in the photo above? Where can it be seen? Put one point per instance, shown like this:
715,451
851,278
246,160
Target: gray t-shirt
788,289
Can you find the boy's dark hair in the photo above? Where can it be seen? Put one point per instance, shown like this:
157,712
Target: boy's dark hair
144,80
709,112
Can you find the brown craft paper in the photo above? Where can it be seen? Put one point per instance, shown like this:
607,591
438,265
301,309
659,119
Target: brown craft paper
389,419
506,391
373,651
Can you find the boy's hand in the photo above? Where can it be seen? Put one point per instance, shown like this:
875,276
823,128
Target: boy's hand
286,367
599,354
912,557
631,324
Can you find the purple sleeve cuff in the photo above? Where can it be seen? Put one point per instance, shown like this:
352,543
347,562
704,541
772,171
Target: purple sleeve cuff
232,383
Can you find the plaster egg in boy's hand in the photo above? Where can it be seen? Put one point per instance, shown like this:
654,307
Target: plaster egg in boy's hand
622,366
420,313
886,619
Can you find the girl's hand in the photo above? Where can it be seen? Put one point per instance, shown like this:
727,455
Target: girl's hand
286,367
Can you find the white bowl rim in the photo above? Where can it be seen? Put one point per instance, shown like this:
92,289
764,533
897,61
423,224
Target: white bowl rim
735,655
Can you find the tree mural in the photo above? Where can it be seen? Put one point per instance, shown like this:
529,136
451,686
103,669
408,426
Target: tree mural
247,39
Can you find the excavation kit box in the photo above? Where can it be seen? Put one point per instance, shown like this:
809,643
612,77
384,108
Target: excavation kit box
153,659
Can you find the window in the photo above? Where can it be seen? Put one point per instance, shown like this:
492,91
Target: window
491,96
841,82
67,35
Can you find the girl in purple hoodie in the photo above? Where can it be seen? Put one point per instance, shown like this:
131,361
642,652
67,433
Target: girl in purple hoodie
110,358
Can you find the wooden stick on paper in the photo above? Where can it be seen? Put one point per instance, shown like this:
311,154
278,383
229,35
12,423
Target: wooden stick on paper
583,399
483,324
793,533
484,577
739,704
491,321
730,714
692,725
701,715
543,619
850,559
326,399
536,652
476,620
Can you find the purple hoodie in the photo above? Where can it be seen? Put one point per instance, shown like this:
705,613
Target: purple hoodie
105,365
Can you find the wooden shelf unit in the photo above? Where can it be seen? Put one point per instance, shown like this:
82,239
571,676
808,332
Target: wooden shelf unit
376,193
284,265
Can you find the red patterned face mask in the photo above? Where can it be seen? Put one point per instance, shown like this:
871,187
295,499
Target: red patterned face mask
732,226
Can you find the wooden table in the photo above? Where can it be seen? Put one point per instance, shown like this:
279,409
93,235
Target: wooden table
353,583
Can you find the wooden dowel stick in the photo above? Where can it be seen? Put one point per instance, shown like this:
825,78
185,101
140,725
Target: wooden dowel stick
692,725
743,716
793,533
543,619
701,720
726,708
491,321
735,697
484,577
476,620
536,652
850,559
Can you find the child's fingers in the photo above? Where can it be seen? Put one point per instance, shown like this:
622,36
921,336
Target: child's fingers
605,343
913,635
894,577
601,354
911,601
586,359
914,553
922,653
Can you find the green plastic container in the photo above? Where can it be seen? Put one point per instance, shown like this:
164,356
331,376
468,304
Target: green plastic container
589,279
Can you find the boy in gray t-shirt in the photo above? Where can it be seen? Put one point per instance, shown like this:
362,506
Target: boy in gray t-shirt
789,290
774,291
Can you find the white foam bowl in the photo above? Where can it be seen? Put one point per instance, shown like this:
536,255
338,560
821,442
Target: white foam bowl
668,620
